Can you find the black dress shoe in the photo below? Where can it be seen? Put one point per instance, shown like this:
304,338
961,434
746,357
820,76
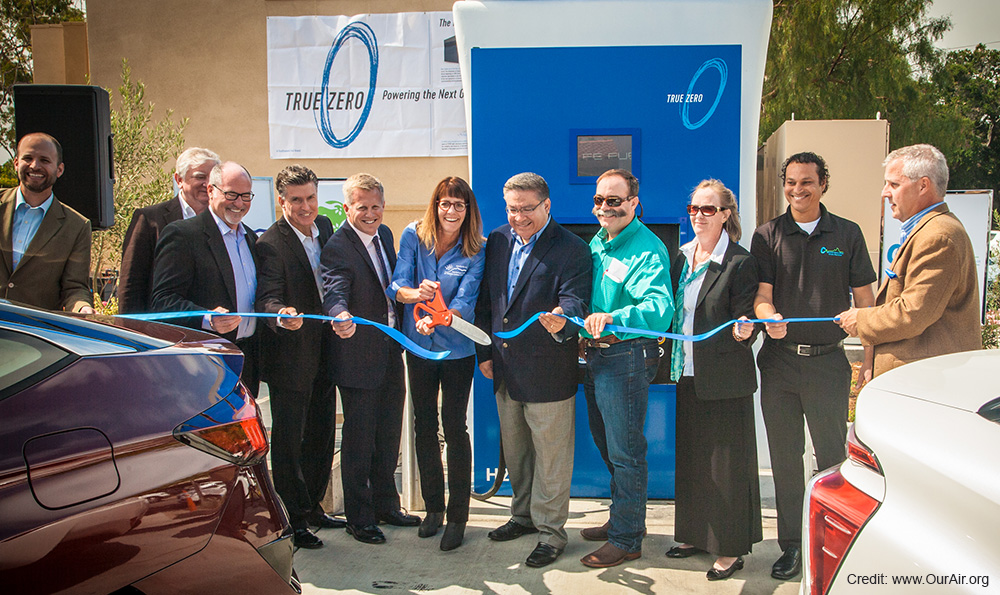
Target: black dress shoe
325,521
543,555
789,565
510,530
682,552
454,533
430,525
718,575
304,538
398,518
366,534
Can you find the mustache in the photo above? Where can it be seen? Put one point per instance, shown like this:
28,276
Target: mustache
599,212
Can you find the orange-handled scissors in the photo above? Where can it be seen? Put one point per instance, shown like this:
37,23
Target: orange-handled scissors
442,316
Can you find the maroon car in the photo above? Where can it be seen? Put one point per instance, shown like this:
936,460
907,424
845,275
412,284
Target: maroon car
132,460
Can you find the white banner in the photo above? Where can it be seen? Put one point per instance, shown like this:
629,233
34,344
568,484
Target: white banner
377,85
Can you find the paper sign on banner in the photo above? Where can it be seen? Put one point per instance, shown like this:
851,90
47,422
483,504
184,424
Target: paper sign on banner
376,85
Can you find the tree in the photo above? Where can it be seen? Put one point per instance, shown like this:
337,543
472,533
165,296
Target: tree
834,59
143,148
970,84
16,19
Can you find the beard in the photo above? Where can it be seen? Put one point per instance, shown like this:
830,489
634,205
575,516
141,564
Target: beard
37,185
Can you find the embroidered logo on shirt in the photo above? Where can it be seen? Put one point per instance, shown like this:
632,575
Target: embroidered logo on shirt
455,270
831,251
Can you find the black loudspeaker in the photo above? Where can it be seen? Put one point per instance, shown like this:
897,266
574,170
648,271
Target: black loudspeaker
79,117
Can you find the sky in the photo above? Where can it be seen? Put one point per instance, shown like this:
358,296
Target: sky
972,22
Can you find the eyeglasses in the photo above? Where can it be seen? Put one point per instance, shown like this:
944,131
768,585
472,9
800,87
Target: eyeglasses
231,196
446,205
706,210
611,201
513,211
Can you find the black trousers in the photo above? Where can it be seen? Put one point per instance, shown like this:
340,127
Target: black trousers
792,387
454,378
373,423
303,433
250,375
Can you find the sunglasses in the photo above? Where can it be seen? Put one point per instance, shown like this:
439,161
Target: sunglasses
706,210
611,201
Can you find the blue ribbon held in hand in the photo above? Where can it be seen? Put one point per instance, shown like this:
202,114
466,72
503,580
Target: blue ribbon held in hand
397,336
648,333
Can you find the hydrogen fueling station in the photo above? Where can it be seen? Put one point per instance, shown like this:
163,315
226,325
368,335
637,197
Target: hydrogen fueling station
667,89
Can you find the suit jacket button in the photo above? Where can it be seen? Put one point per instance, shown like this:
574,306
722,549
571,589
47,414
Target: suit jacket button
10,285
505,345
505,321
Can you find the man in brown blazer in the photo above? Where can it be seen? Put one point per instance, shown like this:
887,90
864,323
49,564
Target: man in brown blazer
929,302
45,244
135,281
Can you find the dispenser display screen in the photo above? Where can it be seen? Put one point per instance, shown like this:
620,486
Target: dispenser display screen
596,154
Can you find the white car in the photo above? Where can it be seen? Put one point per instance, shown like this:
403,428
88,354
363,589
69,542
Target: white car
916,507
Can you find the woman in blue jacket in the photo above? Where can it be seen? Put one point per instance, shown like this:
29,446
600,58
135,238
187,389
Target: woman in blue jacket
443,250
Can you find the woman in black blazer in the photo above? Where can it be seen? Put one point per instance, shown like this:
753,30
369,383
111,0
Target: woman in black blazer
717,490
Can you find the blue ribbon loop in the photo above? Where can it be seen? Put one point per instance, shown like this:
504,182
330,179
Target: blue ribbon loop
399,337
648,333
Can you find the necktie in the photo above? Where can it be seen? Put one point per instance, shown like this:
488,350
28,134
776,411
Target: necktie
383,273
677,354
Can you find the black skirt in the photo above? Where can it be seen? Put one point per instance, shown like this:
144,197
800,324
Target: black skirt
717,495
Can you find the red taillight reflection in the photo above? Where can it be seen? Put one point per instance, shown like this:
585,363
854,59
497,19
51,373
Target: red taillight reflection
857,451
231,429
837,511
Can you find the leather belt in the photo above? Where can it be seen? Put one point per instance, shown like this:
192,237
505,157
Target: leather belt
810,350
607,341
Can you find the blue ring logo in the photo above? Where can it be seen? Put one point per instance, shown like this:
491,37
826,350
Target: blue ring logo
363,33
891,253
718,64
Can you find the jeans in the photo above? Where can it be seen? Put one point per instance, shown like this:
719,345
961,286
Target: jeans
617,391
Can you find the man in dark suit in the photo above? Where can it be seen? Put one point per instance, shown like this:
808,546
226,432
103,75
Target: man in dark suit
45,244
209,263
357,266
135,279
532,265
295,354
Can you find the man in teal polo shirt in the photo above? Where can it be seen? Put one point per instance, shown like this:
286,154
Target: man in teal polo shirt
631,288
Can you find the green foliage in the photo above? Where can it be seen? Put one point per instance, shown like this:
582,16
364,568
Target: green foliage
847,59
142,150
991,330
8,177
16,19
969,84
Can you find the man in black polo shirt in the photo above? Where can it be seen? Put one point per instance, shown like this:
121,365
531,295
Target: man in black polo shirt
810,261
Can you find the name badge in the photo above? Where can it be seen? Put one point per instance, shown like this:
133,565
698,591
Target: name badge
616,270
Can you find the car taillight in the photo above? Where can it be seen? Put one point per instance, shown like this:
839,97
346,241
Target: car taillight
232,429
837,511
857,451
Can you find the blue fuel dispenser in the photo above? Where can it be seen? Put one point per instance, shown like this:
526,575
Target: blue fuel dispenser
669,90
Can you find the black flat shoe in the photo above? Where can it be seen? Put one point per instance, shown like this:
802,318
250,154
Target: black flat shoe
304,538
325,521
366,534
682,552
430,525
789,565
398,518
543,555
718,575
510,530
454,533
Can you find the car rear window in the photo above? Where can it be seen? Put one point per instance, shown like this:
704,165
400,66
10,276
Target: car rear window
24,360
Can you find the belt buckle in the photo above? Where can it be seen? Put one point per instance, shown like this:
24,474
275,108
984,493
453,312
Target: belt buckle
603,345
805,350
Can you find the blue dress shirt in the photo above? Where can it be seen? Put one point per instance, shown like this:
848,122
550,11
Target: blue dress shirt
27,220
519,254
459,276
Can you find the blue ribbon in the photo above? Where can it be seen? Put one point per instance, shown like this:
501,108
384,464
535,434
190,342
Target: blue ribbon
399,337
648,333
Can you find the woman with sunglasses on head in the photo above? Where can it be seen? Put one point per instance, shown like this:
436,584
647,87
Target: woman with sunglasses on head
717,491
443,251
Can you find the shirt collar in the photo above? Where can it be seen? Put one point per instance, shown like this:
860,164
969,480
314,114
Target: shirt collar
224,227
623,235
186,209
825,221
518,240
910,223
303,237
717,253
44,206
366,238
